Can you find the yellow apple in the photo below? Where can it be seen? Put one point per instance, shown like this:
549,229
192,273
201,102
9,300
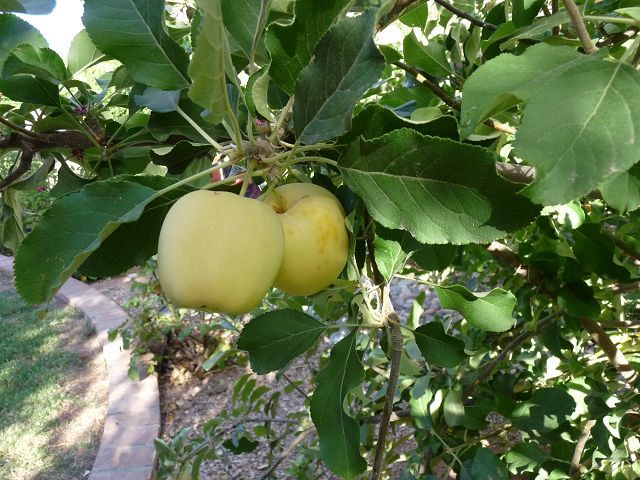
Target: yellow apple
316,243
219,251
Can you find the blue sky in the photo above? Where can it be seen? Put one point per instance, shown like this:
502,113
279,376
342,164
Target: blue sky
60,26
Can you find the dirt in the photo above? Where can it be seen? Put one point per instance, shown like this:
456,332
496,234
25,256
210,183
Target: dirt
74,439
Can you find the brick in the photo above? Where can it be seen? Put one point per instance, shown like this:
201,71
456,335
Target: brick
121,434
134,473
120,456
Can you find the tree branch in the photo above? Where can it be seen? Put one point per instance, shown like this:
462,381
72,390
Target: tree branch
297,441
582,441
26,159
396,12
440,93
465,15
392,321
18,128
578,24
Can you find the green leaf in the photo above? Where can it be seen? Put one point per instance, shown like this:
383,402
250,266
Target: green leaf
135,242
438,347
25,88
527,456
622,192
178,157
577,299
163,125
432,57
392,248
345,65
524,11
242,19
161,101
537,31
11,227
31,7
291,47
435,257
486,466
594,250
596,122
421,396
207,68
151,56
73,228
241,445
339,433
546,410
83,53
43,63
452,195
453,408
490,311
276,338
13,32
375,120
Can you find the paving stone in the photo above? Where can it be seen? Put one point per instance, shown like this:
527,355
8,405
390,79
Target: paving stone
120,434
124,456
125,473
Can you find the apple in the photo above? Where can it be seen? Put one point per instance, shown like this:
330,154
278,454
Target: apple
220,252
316,243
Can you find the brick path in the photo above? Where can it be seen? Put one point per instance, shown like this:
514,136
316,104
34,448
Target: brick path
133,417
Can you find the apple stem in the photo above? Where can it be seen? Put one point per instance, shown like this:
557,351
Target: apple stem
247,177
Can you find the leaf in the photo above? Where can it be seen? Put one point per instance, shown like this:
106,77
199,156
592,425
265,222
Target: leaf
577,299
339,433
538,30
435,257
242,18
28,89
178,157
452,195
241,445
31,7
207,68
346,64
453,408
594,250
275,338
486,466
291,47
83,53
13,32
421,396
135,242
546,410
528,456
525,11
490,311
11,227
161,101
432,57
622,192
150,55
72,229
438,347
392,248
375,120
598,125
42,63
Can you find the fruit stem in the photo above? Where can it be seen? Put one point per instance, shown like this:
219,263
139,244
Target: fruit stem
247,177
281,119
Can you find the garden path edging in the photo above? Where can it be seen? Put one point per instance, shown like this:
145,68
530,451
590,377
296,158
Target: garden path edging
132,423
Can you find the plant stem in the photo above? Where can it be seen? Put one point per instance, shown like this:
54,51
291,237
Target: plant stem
607,19
247,177
297,441
578,24
199,129
281,120
582,441
18,128
465,15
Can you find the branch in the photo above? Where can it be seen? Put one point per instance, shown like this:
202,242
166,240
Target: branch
440,93
26,159
578,24
615,356
392,321
396,12
582,441
297,441
17,128
465,15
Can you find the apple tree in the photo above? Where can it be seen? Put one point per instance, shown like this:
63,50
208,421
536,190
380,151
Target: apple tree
487,149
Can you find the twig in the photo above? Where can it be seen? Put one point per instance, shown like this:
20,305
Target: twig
582,441
440,93
578,24
615,356
555,5
396,12
392,321
18,128
299,439
465,15
26,159
622,245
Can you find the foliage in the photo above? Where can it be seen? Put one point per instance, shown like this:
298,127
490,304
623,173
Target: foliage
493,142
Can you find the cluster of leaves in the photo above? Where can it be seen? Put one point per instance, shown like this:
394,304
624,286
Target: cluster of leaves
496,140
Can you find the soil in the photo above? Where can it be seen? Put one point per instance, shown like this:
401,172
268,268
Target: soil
74,439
